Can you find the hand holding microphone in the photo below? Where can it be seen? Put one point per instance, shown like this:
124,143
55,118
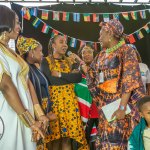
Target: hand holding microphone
75,57
78,60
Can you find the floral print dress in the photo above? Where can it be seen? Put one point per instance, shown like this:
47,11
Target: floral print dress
121,75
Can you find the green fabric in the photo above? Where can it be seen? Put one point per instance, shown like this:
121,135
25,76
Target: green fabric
136,138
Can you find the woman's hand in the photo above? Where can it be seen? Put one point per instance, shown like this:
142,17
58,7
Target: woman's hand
52,116
45,122
55,73
118,114
36,131
75,57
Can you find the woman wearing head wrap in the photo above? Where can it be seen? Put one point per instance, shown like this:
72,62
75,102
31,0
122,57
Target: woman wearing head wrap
57,68
31,51
17,103
114,75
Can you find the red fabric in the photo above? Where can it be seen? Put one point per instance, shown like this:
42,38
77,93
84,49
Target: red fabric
93,113
83,110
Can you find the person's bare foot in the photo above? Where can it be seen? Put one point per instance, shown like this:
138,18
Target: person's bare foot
51,116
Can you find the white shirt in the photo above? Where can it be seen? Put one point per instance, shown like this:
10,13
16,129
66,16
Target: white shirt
145,74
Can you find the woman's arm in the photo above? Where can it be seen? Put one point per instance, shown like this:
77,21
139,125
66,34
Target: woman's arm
8,89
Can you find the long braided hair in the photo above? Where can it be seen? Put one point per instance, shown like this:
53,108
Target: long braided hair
51,50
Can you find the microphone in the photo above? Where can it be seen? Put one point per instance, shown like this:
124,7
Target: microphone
77,60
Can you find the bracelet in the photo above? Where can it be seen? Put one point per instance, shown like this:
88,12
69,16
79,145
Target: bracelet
121,107
27,118
38,111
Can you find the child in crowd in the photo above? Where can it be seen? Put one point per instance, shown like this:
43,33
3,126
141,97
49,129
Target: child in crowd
140,137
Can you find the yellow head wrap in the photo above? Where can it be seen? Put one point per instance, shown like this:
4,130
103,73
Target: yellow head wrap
26,44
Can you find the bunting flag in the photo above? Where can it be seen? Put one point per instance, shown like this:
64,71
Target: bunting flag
56,15
65,36
76,17
125,15
36,22
65,16
95,45
54,33
139,35
73,42
95,17
44,15
116,16
45,28
143,14
106,17
25,13
33,12
86,17
146,28
82,43
134,15
131,39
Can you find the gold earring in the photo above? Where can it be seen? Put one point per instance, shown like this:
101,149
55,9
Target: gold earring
3,36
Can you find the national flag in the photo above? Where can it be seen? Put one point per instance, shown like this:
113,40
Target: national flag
44,15
125,15
36,22
139,35
95,17
33,12
86,17
25,13
134,15
106,17
45,28
131,38
54,33
84,99
116,16
76,17
56,15
146,28
65,16
73,42
143,14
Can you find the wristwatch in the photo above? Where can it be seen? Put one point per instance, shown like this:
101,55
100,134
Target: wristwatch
59,75
121,107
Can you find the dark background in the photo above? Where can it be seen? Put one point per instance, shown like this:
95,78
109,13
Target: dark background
88,31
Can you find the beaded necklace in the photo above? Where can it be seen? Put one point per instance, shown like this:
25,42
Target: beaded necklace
114,48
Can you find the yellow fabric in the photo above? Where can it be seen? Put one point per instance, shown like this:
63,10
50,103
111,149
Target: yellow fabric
65,106
146,139
26,44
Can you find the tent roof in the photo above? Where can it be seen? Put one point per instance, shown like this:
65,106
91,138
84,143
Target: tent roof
81,1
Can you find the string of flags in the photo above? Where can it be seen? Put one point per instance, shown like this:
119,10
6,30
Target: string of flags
86,17
47,29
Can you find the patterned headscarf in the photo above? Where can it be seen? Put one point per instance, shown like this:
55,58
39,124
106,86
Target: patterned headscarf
115,26
24,44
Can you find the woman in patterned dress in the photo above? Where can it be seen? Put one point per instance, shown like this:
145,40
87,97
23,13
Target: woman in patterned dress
57,69
115,74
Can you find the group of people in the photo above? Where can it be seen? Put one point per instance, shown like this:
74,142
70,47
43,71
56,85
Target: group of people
39,95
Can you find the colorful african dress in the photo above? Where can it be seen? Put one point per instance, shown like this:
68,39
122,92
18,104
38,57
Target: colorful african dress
15,136
121,75
65,106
